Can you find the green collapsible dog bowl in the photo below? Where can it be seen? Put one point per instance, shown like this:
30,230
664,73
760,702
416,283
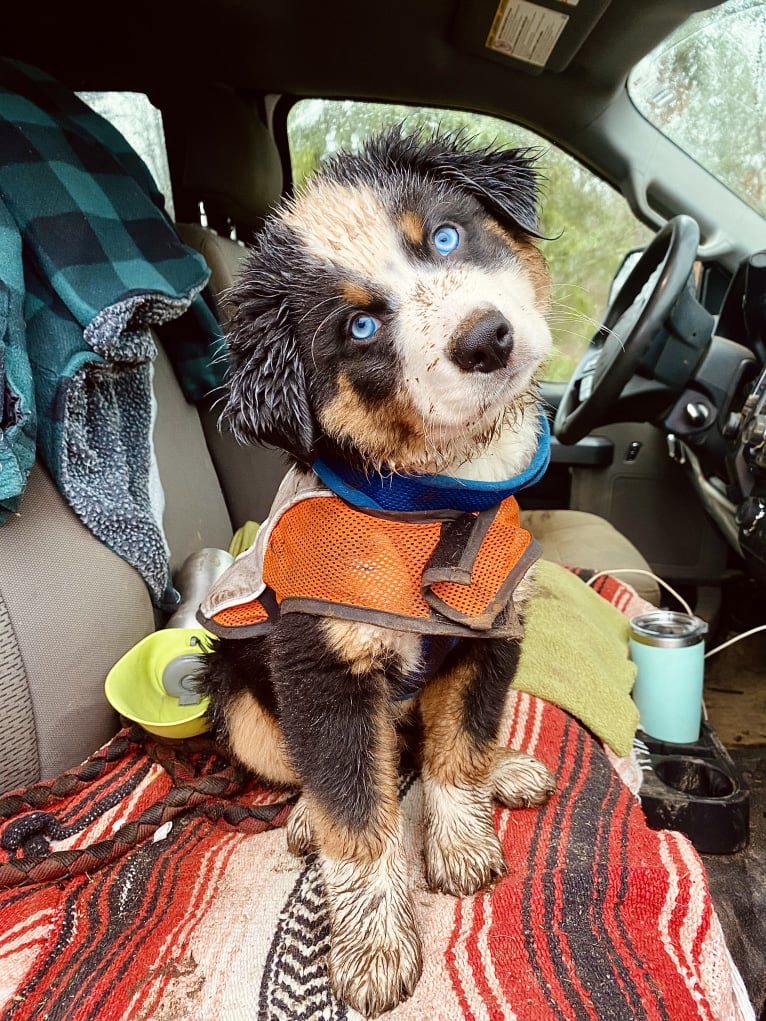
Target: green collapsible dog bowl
154,683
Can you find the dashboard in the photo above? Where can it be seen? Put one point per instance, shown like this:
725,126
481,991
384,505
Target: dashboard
719,422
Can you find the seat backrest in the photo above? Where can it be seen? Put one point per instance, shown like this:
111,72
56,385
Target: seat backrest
249,476
195,510
70,607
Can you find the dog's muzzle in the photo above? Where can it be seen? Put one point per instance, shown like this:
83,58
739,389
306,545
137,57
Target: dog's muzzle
485,345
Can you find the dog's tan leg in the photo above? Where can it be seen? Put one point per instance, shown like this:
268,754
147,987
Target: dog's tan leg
462,851
375,950
256,740
463,769
375,953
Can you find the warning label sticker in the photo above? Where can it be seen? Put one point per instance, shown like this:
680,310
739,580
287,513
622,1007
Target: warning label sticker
526,31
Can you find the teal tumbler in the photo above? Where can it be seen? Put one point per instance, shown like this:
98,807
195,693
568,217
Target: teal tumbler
668,649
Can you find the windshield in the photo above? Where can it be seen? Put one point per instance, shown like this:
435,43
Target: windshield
705,88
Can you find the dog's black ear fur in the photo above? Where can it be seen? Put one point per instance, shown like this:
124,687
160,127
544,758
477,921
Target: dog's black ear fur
503,180
267,400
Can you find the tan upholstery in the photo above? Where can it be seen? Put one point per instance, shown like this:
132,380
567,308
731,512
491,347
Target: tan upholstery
580,539
74,608
223,255
195,510
69,607
228,159
249,476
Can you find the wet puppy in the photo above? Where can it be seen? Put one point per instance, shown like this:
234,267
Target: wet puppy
386,332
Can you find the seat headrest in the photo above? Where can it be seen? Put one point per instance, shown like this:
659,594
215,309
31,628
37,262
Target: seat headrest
230,161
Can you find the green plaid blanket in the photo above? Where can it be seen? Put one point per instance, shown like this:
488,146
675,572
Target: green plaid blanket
89,264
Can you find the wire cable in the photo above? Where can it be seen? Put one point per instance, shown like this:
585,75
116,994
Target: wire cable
736,638
681,600
638,570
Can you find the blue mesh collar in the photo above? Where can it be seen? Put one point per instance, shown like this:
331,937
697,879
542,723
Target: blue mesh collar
425,493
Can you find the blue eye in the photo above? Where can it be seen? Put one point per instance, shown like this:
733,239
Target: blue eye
363,327
446,239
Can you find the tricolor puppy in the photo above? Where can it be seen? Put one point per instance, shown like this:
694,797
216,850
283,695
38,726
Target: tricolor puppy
386,333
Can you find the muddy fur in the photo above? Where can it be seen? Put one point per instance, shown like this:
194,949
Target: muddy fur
391,315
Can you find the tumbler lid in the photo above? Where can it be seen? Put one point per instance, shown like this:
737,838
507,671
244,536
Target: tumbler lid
667,629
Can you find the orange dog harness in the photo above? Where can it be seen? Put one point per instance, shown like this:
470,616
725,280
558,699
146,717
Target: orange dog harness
317,554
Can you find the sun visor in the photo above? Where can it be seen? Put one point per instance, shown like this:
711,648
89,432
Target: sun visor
533,37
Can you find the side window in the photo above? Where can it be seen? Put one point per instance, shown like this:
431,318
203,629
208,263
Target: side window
592,225
140,124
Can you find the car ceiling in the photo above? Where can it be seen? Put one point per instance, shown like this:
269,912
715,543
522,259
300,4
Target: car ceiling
426,51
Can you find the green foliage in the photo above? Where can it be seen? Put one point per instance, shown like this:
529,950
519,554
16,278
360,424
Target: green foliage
591,227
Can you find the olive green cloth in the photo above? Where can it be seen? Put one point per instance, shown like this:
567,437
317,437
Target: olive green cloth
575,654
243,538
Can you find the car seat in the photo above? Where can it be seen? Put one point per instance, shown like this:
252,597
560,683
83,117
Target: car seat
70,608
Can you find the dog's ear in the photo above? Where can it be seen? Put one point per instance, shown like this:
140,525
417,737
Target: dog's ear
267,400
503,180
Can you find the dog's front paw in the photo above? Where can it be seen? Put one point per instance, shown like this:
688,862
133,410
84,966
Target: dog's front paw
300,836
375,973
375,950
463,853
519,780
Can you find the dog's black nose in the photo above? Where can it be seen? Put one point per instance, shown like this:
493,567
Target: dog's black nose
485,346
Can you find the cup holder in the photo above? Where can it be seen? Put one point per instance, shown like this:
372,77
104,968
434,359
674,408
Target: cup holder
695,777
695,788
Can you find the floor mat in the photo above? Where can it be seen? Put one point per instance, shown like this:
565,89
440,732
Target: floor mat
738,883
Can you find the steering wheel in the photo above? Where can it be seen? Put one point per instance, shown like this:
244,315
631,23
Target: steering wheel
633,319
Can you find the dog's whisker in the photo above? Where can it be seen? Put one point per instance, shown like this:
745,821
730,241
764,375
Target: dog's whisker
574,313
566,288
324,301
562,331
326,319
599,327
577,314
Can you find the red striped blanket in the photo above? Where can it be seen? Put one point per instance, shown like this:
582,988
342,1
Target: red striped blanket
153,883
